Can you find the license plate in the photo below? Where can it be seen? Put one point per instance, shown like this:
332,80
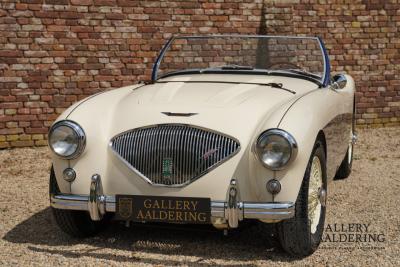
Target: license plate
163,209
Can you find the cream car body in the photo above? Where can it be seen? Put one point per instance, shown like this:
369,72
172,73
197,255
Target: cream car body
241,106
223,108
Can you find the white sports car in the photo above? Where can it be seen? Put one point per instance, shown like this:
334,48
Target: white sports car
230,128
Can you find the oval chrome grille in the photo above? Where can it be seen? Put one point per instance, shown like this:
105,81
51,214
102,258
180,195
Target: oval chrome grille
172,154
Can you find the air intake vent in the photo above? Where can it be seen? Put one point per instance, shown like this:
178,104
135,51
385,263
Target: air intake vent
171,154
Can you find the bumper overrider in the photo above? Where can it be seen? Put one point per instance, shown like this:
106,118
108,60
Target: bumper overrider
223,213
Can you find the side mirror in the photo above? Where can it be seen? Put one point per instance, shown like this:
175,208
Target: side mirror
339,81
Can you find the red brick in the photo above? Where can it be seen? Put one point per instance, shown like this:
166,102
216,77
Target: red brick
164,17
32,1
147,29
22,143
70,66
118,16
93,66
11,104
82,2
20,6
200,17
57,28
46,14
52,58
38,130
57,2
34,7
81,29
127,3
36,54
105,2
11,53
71,15
10,131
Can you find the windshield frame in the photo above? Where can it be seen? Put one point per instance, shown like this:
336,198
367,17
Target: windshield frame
323,82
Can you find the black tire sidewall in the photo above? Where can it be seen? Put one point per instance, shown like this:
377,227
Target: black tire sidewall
295,234
74,222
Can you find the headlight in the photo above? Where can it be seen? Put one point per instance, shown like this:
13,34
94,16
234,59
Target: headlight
67,139
276,148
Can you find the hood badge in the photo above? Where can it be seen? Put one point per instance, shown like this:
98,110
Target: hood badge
167,168
178,114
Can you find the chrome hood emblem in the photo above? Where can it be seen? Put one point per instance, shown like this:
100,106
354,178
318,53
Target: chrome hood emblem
178,114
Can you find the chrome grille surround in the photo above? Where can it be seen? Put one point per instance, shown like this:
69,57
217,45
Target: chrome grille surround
173,155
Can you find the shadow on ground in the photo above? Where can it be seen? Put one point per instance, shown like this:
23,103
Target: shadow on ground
253,241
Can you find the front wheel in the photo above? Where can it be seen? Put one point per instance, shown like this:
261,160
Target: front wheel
74,222
301,235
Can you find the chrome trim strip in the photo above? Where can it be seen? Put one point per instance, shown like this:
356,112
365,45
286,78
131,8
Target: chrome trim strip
268,211
69,202
186,164
218,209
250,210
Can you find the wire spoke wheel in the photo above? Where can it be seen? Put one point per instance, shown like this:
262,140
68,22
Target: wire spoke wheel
315,186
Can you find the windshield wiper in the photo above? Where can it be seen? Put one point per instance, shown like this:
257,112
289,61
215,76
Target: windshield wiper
299,71
273,85
280,86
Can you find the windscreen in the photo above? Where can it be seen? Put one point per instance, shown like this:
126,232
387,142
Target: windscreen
243,53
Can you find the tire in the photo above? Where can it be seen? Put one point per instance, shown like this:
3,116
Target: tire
300,236
344,170
74,223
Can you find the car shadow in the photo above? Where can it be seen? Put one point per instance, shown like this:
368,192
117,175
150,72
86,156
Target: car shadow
253,241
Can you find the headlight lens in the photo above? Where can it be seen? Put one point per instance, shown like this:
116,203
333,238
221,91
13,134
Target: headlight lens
67,139
276,148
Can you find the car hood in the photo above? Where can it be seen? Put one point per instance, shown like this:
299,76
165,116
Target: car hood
238,108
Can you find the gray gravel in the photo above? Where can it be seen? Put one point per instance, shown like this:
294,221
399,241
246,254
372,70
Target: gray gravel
28,235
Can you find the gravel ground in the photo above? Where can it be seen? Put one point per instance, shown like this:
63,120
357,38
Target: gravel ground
28,235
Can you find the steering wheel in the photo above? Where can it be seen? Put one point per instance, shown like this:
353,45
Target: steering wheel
281,64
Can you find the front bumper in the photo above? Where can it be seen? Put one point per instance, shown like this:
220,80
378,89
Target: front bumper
231,212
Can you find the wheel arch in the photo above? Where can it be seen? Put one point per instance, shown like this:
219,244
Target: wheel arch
321,136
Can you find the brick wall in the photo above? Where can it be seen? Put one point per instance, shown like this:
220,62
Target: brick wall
55,52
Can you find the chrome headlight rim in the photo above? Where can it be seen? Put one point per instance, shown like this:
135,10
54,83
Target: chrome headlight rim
78,130
288,137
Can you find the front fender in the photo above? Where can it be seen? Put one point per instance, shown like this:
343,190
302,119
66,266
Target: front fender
324,110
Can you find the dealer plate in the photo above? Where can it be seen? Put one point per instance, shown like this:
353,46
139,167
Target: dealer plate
163,209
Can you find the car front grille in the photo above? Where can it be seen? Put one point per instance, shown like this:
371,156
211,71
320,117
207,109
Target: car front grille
173,154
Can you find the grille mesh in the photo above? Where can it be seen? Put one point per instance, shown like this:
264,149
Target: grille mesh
173,154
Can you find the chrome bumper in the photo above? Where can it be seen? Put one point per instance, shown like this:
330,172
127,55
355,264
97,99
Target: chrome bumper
231,212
